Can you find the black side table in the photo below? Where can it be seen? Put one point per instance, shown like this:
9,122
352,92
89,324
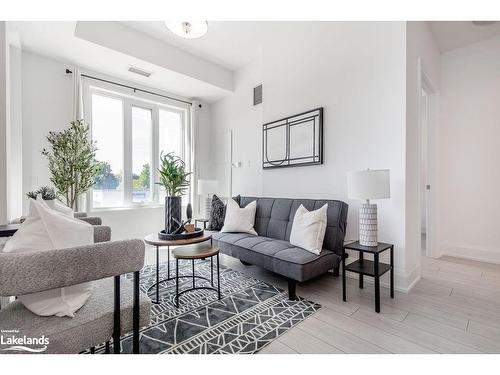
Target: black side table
366,267
204,221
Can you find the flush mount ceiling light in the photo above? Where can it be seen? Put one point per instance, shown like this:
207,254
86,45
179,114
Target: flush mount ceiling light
188,29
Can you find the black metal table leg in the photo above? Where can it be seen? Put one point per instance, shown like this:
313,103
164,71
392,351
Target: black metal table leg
392,271
344,297
116,315
218,275
192,262
157,274
212,270
177,283
377,284
361,275
135,322
168,262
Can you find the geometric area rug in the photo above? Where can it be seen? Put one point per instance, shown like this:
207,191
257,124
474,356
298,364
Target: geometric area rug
249,316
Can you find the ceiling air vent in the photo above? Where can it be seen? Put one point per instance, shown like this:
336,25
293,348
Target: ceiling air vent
139,71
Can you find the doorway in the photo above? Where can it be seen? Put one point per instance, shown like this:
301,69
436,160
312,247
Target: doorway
428,115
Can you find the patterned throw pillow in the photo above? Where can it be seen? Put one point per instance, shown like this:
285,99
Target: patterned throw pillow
218,212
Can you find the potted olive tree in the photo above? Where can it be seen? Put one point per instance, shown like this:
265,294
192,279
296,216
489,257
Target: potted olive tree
175,180
72,163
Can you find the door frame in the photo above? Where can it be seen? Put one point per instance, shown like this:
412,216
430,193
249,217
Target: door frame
426,84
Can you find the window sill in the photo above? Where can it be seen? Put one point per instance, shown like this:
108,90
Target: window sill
125,208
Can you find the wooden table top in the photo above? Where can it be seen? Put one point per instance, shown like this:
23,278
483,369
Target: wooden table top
152,239
199,251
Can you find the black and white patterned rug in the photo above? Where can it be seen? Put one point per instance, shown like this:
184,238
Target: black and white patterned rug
249,316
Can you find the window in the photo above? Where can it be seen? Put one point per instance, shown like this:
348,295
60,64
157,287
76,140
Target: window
170,139
107,132
131,132
142,147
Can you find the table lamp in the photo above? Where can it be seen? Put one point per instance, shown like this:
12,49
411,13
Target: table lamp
368,184
206,188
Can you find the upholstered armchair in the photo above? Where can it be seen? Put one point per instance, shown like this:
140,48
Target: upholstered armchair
94,220
116,306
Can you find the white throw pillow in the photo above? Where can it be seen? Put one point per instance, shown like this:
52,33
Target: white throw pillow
57,205
47,229
309,228
238,219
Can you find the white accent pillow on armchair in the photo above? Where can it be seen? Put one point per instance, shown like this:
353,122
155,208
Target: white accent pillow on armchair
57,205
47,229
239,220
309,228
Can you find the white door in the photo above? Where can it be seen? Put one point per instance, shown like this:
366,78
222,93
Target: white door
428,103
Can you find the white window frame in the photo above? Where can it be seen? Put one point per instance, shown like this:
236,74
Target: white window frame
154,103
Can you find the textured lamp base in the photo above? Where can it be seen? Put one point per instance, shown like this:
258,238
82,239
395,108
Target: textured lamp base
368,225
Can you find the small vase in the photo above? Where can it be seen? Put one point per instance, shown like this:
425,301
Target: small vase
189,212
173,214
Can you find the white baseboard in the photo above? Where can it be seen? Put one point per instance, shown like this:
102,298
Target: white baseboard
402,282
471,253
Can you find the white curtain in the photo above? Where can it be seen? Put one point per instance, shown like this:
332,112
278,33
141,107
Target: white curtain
194,126
81,201
77,95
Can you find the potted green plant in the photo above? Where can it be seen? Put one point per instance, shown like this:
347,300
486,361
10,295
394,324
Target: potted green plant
72,161
175,179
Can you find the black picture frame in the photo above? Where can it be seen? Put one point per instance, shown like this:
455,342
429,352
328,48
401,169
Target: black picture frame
313,118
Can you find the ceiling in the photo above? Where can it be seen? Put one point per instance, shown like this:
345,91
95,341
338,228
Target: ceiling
56,39
231,44
455,34
228,44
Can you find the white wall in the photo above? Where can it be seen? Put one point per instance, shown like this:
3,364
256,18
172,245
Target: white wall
420,45
47,106
237,113
356,71
4,122
15,179
469,151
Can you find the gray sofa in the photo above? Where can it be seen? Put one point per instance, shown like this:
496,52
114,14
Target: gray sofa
271,250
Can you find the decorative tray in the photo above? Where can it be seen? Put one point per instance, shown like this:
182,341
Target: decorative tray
180,236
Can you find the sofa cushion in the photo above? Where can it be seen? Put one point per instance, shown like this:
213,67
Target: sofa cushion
92,325
301,265
276,255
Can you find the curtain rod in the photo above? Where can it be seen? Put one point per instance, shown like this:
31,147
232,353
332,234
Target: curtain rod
132,88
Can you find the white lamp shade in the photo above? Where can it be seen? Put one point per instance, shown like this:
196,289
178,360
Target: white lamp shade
369,184
206,187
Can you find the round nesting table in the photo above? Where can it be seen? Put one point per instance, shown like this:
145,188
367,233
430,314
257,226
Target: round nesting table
195,252
152,239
